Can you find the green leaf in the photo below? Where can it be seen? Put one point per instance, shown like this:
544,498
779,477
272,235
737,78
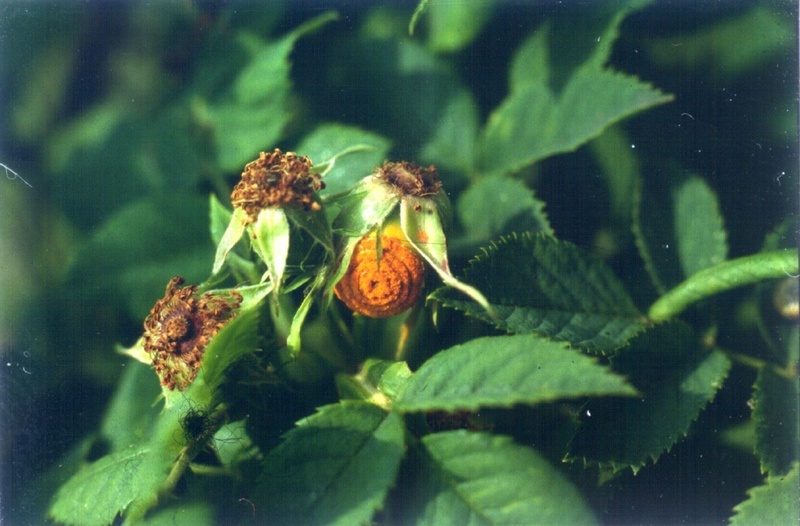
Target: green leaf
725,276
139,248
530,65
270,236
654,232
775,400
238,337
131,414
498,204
328,140
573,41
404,91
532,123
252,113
451,145
555,108
194,513
336,467
93,177
773,503
219,217
126,482
313,222
378,381
621,169
721,50
539,284
102,490
366,206
501,371
700,233
677,378
479,478
237,221
453,25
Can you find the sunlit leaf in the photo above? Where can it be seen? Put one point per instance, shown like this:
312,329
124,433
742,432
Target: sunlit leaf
479,478
773,503
532,123
721,50
501,371
453,25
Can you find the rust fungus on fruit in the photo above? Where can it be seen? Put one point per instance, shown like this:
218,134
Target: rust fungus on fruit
180,326
410,179
276,179
385,287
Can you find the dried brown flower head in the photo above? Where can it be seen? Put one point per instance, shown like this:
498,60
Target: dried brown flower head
410,178
276,179
180,326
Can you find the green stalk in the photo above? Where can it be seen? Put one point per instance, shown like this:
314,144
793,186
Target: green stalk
722,277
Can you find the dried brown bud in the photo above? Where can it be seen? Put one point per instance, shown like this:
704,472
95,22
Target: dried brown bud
410,178
276,179
180,326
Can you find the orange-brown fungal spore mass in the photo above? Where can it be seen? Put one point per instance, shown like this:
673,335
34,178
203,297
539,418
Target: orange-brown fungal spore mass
180,326
410,179
380,290
276,179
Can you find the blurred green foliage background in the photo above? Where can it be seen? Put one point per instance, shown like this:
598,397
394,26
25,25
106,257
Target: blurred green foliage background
118,115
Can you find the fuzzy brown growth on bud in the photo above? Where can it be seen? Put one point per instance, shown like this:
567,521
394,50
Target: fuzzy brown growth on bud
276,179
410,178
180,326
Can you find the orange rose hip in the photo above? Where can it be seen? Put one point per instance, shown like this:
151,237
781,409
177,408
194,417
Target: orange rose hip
381,289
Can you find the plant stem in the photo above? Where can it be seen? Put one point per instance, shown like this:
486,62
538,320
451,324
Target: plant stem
722,277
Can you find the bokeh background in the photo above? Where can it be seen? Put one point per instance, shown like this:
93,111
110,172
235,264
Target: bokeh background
101,117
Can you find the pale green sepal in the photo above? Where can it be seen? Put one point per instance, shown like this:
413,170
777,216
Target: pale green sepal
314,223
344,262
271,242
323,168
365,207
293,339
229,239
251,294
136,352
420,222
